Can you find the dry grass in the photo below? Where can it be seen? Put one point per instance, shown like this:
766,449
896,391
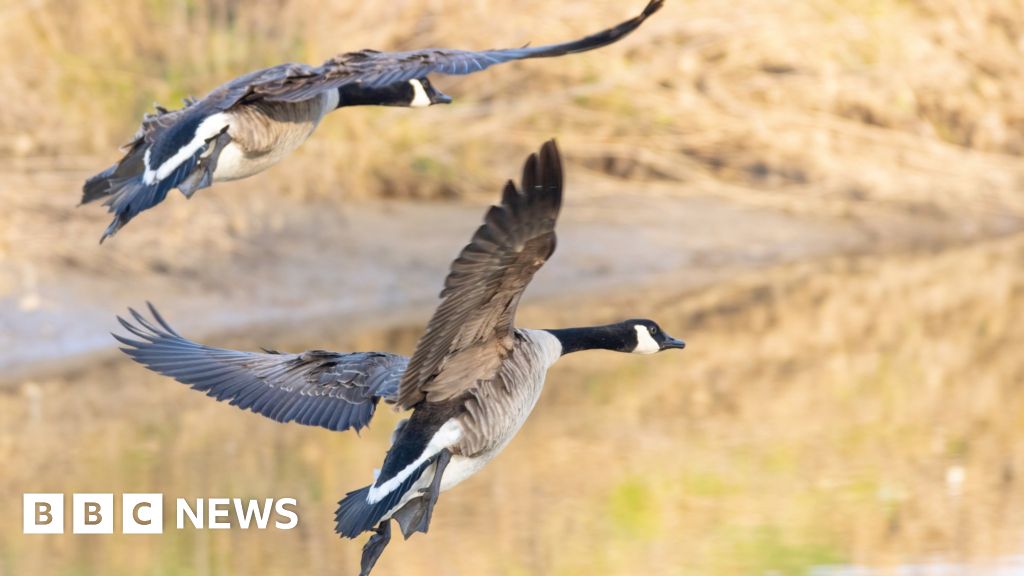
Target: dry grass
888,100
857,109
812,420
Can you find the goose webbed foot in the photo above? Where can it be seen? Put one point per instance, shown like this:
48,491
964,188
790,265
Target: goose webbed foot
415,516
435,488
374,547
202,176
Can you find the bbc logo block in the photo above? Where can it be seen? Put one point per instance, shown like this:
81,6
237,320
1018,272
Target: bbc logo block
92,513
142,513
43,513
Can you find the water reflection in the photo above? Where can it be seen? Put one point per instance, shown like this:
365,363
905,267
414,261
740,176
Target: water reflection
854,420
1011,566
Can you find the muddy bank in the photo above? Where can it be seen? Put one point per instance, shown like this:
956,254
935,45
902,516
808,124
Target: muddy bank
379,263
245,260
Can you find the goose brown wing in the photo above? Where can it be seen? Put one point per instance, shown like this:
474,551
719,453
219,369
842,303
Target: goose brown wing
471,331
317,388
376,69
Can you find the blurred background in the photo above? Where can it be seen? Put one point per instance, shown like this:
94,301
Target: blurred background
824,198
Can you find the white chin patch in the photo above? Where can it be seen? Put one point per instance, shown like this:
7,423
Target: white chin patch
645,343
419,95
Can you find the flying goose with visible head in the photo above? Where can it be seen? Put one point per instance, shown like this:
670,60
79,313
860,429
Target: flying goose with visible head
250,123
470,384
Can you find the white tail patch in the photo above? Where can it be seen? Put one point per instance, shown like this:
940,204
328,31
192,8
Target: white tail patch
207,129
445,437
645,343
419,95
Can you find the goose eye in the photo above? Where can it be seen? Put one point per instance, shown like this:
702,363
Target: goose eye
653,330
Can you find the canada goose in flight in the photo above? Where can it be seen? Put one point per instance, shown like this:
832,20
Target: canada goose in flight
252,122
470,384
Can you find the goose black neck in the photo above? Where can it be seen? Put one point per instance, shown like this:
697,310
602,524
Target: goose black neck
360,95
590,338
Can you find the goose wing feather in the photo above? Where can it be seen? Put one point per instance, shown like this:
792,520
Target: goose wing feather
375,69
317,388
471,331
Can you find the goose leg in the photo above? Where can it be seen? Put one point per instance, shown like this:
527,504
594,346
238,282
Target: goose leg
202,177
415,515
374,547
435,487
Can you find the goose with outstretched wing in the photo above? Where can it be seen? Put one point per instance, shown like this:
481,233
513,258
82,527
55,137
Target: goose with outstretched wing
470,384
252,122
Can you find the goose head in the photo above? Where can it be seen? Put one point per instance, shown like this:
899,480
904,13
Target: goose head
638,336
642,336
421,93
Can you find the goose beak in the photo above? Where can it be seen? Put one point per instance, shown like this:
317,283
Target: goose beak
673,343
442,98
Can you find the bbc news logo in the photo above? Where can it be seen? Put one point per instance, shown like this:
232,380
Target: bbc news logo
144,513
